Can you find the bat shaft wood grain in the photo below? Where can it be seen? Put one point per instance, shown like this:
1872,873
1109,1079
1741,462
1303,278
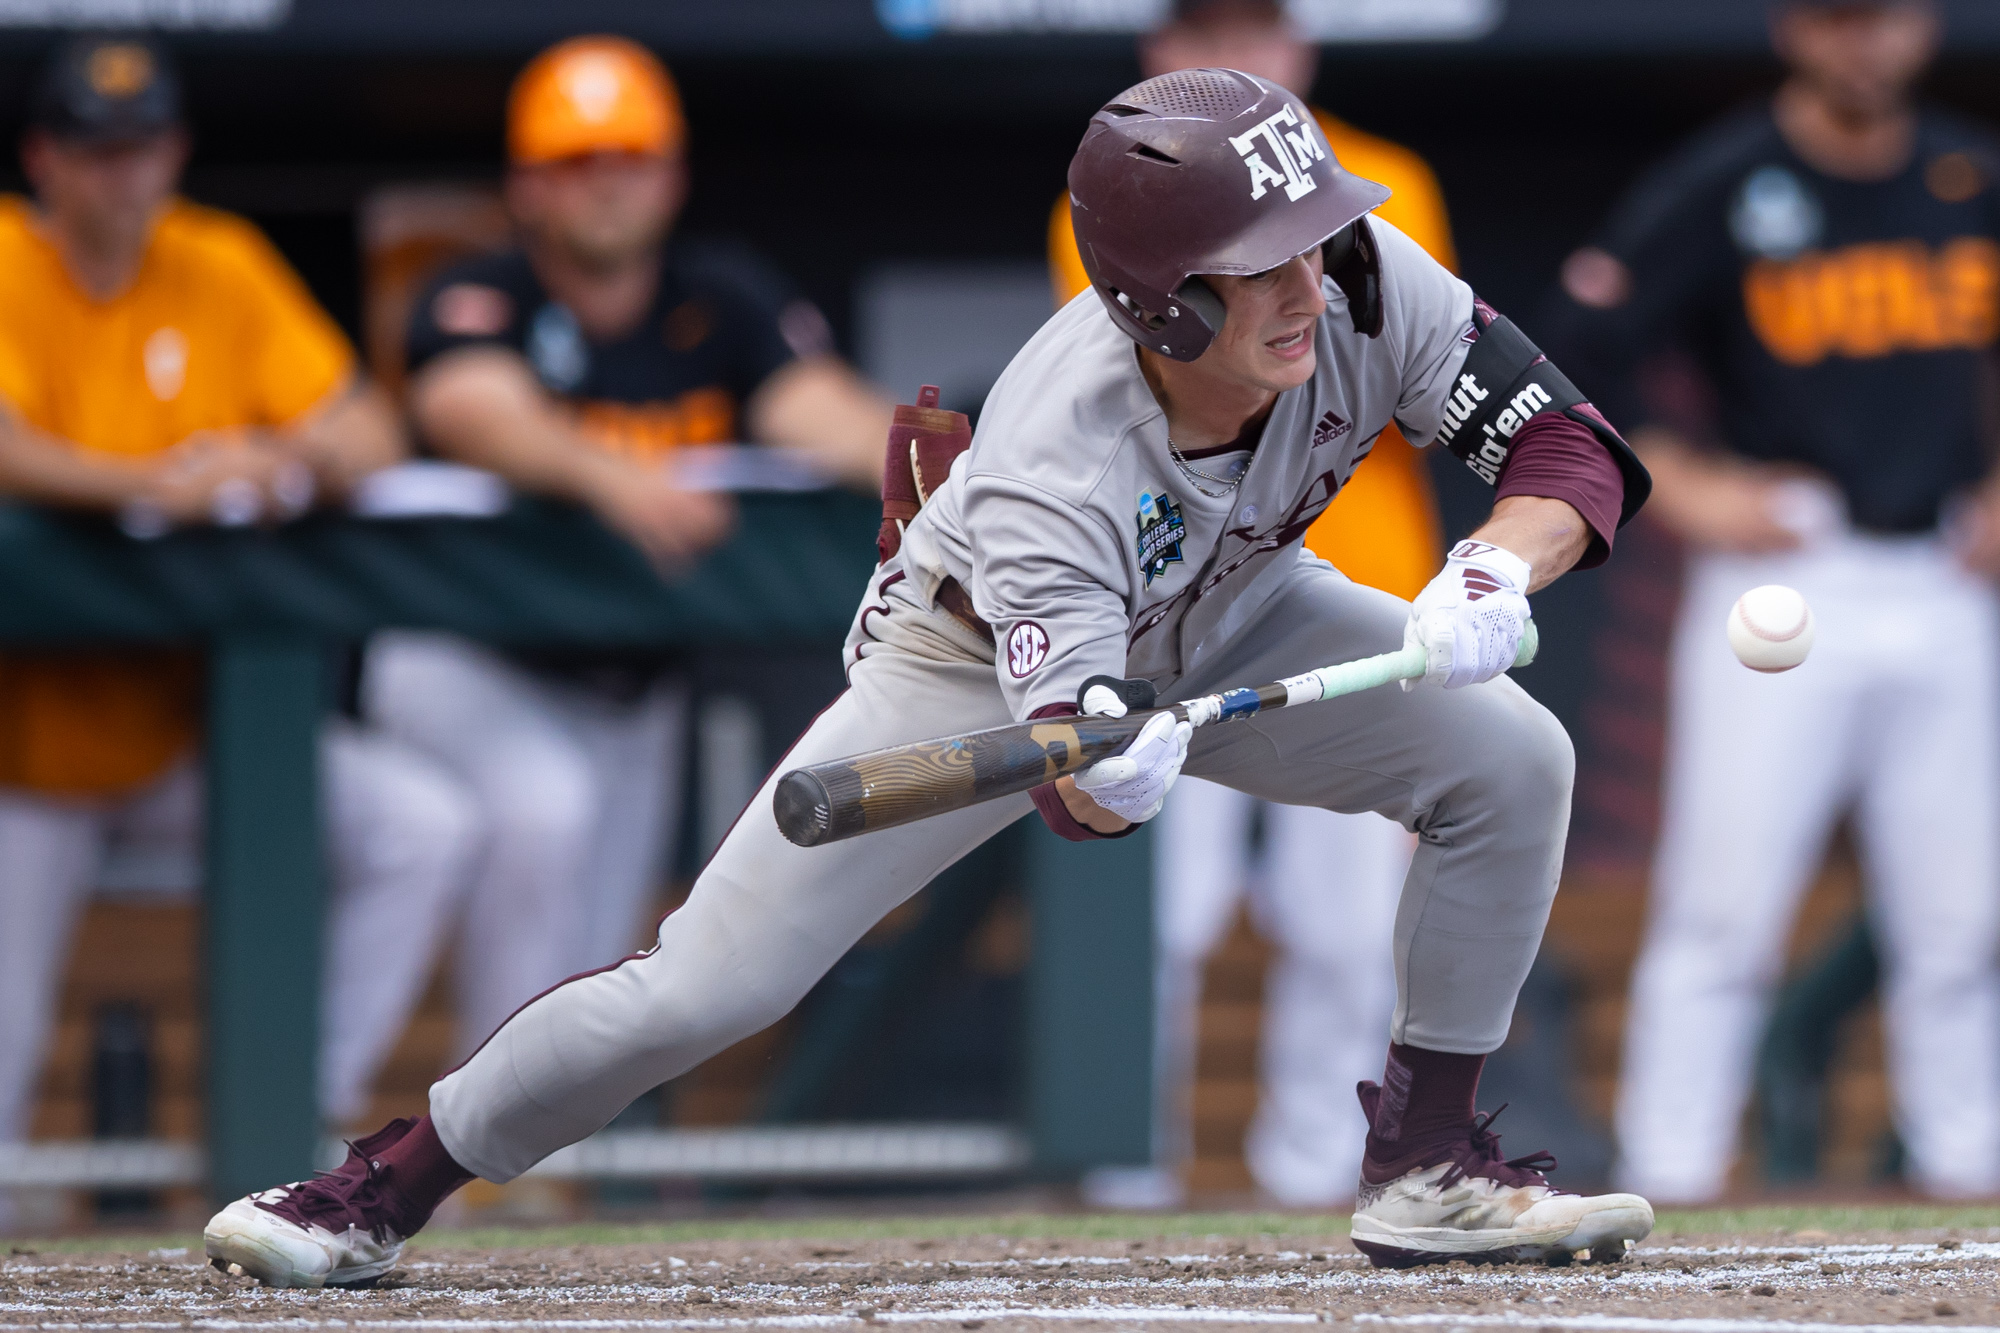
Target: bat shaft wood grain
862,793
904,783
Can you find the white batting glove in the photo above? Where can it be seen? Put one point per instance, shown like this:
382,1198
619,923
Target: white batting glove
1470,618
1134,785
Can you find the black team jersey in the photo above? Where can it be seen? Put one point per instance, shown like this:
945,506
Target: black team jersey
720,324
1844,325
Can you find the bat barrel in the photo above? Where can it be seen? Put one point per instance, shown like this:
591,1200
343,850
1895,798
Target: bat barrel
827,802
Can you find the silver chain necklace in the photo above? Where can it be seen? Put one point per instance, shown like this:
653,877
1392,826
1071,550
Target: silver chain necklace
1196,476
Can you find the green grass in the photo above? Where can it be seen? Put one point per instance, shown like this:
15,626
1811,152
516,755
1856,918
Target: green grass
1772,1221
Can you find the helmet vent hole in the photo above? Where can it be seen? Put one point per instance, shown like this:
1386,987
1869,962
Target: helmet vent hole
1152,154
1209,94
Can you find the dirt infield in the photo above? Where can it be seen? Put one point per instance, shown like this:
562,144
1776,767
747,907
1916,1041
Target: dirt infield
1678,1282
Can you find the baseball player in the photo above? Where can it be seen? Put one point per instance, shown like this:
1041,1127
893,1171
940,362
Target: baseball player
1324,889
575,366
1832,260
161,361
1128,519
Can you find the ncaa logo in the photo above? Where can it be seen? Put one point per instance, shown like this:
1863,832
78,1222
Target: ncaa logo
1295,146
1027,649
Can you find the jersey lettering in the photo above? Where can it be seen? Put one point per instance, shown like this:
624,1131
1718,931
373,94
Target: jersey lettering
1875,300
647,431
1506,382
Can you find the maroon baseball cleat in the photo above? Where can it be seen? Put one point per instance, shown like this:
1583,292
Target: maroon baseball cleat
343,1228
1467,1202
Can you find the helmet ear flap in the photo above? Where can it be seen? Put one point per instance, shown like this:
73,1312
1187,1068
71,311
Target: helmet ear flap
1337,249
1354,262
1203,299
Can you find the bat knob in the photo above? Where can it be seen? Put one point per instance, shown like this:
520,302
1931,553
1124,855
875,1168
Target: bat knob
803,808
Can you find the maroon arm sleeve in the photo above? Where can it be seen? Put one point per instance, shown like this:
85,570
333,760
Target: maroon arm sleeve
1560,459
1049,802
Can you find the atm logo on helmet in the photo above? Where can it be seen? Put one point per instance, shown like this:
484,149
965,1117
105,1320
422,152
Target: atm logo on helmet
1295,146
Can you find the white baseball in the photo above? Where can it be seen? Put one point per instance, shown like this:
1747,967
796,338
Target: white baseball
1771,628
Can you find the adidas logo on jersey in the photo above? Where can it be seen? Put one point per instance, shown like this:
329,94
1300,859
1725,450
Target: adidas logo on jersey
1329,429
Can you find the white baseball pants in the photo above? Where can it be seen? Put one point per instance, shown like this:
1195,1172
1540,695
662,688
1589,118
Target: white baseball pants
580,796
1324,893
1482,775
1894,718
401,836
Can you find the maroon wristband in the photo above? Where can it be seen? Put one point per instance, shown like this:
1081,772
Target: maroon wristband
1049,802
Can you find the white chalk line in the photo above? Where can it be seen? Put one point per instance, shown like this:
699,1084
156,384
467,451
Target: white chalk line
1141,1314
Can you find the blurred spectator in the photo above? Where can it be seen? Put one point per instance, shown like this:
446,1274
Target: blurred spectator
159,360
574,366
1326,884
1829,259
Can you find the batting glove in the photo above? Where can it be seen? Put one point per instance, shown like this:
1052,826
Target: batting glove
1470,619
1134,785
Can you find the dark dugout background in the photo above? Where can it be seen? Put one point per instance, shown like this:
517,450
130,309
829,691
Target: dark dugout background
834,147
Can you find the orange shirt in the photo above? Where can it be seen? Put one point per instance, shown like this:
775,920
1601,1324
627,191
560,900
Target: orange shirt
1382,529
216,332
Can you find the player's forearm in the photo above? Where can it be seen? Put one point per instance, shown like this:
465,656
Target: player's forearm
49,471
354,434
1549,534
480,407
824,409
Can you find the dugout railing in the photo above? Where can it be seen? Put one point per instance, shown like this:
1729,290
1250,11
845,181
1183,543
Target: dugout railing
270,607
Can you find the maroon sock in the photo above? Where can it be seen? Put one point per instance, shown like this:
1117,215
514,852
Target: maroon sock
1425,1105
421,1173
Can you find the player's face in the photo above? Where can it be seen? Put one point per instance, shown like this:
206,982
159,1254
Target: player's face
1249,42
1267,338
1862,58
105,195
602,211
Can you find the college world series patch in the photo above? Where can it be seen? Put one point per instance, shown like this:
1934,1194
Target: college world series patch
1162,531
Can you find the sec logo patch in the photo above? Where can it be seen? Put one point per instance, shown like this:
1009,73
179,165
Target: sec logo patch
1027,649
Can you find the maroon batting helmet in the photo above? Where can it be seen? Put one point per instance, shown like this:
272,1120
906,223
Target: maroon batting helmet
1201,171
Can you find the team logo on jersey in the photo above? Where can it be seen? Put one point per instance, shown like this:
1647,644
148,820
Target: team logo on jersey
1162,531
1293,145
1027,649
1330,428
1775,216
556,348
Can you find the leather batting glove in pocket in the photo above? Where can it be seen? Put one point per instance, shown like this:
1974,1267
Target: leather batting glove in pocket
1470,619
1134,785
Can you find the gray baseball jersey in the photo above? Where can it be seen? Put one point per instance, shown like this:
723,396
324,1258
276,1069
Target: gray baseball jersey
1090,552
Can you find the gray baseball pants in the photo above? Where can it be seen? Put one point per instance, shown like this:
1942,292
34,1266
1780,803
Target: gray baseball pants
1482,775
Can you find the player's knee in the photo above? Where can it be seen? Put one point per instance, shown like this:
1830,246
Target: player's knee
452,828
547,808
1524,762
418,824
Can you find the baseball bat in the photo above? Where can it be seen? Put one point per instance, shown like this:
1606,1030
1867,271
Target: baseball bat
843,797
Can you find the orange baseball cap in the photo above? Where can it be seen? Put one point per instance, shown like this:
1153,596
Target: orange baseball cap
594,95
